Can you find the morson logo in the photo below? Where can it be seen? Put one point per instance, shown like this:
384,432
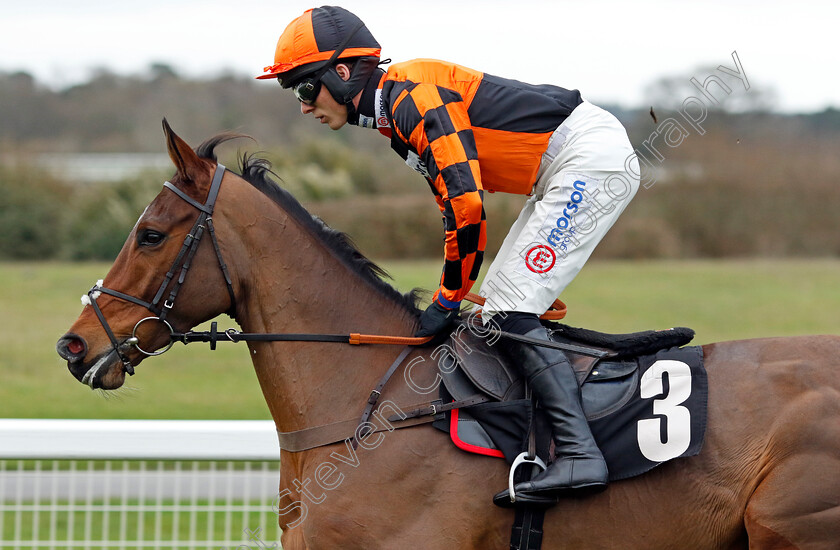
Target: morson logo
564,222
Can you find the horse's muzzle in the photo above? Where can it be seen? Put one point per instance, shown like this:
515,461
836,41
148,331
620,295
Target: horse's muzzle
96,373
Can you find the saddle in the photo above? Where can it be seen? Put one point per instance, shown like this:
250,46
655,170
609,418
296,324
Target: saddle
605,364
487,409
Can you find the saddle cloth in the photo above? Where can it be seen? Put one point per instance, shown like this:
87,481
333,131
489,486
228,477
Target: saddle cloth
645,400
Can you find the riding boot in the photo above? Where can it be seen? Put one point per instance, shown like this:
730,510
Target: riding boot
578,466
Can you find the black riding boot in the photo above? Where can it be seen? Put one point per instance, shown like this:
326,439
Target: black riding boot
578,466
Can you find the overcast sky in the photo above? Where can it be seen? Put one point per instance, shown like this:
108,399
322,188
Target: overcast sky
608,49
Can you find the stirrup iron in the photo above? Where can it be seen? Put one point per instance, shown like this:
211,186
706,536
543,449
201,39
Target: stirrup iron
521,459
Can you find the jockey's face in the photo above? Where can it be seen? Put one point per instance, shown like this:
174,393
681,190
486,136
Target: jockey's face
327,110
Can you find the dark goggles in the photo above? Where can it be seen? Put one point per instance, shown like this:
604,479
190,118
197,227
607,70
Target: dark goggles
307,90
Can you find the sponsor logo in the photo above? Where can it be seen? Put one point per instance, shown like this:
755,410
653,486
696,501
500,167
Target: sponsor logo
540,258
381,114
564,222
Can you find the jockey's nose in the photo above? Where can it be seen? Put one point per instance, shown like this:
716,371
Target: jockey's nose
306,108
71,348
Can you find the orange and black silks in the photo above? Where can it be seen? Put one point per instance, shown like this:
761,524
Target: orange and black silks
467,131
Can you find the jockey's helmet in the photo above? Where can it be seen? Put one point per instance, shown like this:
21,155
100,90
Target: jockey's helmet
313,43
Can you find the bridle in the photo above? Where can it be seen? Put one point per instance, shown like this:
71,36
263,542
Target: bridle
181,265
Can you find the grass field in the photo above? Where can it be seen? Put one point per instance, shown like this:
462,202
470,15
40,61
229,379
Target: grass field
720,300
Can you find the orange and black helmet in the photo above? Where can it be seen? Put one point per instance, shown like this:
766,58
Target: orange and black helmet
318,38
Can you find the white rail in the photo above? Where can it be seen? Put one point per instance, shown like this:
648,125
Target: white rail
92,484
139,439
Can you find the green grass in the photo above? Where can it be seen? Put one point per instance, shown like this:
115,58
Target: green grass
140,523
720,300
41,300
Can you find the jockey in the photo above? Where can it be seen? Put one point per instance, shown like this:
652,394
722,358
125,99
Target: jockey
468,133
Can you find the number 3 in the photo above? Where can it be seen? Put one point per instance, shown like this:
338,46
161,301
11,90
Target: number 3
677,417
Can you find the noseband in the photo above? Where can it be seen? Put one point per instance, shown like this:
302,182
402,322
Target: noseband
182,263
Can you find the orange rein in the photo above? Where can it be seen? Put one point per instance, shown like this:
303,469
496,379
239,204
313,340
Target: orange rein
556,311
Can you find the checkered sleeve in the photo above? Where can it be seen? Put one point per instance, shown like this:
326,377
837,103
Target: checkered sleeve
434,122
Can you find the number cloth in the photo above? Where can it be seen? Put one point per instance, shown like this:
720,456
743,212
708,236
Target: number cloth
663,418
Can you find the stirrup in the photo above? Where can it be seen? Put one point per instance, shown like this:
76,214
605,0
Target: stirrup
517,462
508,498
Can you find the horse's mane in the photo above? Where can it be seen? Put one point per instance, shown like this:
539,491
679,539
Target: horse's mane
257,171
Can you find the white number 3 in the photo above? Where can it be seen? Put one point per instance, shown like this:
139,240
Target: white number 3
677,417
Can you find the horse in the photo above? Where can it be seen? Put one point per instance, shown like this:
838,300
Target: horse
768,475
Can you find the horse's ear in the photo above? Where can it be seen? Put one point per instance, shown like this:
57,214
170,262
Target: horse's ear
182,155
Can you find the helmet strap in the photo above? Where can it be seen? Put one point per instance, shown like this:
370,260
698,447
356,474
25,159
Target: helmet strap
337,52
343,91
352,114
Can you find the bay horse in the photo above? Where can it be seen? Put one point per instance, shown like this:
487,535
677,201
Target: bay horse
768,476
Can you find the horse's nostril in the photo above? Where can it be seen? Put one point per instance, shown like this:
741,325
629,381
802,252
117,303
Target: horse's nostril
75,347
71,347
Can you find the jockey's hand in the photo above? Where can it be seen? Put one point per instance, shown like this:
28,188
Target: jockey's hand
435,319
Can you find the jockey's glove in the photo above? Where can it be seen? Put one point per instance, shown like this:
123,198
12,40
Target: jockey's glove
435,319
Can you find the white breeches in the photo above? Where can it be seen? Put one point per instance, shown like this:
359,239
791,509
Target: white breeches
587,177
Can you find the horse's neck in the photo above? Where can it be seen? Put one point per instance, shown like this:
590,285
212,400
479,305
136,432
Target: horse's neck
297,285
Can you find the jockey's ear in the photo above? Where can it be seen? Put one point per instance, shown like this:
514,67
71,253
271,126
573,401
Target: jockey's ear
344,70
186,161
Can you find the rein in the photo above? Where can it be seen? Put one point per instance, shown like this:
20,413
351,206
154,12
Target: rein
232,335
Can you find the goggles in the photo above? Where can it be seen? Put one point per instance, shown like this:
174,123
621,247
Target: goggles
307,90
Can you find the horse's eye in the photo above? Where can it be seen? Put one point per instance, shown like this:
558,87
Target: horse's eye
150,237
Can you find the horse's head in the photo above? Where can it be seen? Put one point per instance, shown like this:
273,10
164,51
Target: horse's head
168,277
